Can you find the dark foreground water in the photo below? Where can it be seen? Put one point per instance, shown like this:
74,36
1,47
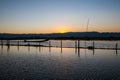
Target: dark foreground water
54,63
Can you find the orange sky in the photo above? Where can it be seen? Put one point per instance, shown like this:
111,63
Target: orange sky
59,16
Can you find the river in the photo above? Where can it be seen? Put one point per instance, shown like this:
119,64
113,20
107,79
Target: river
60,63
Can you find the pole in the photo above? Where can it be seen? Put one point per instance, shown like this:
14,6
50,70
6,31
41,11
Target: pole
61,46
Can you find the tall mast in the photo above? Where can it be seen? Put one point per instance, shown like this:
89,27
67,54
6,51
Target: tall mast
86,32
87,25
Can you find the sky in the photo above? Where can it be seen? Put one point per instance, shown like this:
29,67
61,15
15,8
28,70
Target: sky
59,16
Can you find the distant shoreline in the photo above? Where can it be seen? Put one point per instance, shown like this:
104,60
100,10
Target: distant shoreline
63,36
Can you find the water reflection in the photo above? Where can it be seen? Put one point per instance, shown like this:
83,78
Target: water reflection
39,48
8,48
77,50
28,48
77,46
18,48
1,49
46,63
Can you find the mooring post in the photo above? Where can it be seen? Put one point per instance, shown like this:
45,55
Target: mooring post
49,43
8,45
78,43
49,46
39,47
18,42
28,46
79,48
2,42
116,46
8,48
8,42
75,46
18,45
93,47
61,46
85,44
93,44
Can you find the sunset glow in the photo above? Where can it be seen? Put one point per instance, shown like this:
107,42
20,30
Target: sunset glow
63,31
53,16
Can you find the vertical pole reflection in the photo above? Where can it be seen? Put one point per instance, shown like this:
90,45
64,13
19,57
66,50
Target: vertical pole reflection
93,47
49,46
8,45
1,47
79,48
39,47
75,46
61,45
2,44
18,46
116,48
85,48
28,47
8,48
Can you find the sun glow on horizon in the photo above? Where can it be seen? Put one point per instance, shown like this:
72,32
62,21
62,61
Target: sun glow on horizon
62,29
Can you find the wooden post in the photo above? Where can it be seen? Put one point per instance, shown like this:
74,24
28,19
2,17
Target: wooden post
8,43
79,48
39,47
116,48
8,48
85,44
28,44
28,47
93,47
78,43
18,45
75,46
2,44
49,46
61,46
93,44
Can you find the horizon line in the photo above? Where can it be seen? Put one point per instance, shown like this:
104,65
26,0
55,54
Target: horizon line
58,32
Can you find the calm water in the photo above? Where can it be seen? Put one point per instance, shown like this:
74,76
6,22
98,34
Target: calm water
54,63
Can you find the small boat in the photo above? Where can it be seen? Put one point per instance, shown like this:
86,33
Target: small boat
90,47
36,40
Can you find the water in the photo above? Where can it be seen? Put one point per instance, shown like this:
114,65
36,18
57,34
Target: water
56,63
68,43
